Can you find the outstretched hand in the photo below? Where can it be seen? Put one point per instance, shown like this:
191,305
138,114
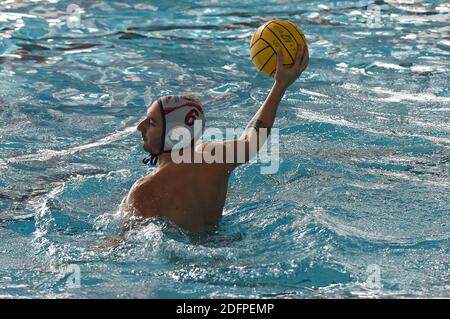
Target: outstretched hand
287,74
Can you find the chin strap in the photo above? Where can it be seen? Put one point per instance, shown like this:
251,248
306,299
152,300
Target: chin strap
152,159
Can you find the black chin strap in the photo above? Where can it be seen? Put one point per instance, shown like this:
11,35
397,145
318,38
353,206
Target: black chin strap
152,159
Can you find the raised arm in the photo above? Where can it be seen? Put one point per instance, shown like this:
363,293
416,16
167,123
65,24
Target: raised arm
258,128
265,116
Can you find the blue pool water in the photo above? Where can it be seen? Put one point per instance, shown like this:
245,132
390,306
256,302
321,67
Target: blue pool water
359,207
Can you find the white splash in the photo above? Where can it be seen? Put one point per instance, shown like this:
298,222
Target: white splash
322,118
397,96
6,16
388,65
45,155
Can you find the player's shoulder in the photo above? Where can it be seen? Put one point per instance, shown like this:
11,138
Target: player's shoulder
143,194
143,183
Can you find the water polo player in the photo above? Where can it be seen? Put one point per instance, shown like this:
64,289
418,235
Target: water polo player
192,194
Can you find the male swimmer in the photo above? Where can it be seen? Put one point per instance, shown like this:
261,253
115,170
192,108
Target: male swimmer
192,194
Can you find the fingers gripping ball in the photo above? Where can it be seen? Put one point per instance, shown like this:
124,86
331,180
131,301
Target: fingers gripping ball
271,37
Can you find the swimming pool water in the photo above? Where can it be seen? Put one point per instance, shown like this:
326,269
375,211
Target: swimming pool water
363,190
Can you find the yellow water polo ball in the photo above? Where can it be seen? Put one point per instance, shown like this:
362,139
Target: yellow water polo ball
269,39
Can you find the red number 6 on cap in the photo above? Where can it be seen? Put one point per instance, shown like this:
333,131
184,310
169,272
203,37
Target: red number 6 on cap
191,117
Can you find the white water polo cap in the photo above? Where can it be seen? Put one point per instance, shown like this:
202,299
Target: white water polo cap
183,123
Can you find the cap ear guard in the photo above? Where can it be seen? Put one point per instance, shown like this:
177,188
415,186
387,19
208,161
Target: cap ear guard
176,134
181,111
